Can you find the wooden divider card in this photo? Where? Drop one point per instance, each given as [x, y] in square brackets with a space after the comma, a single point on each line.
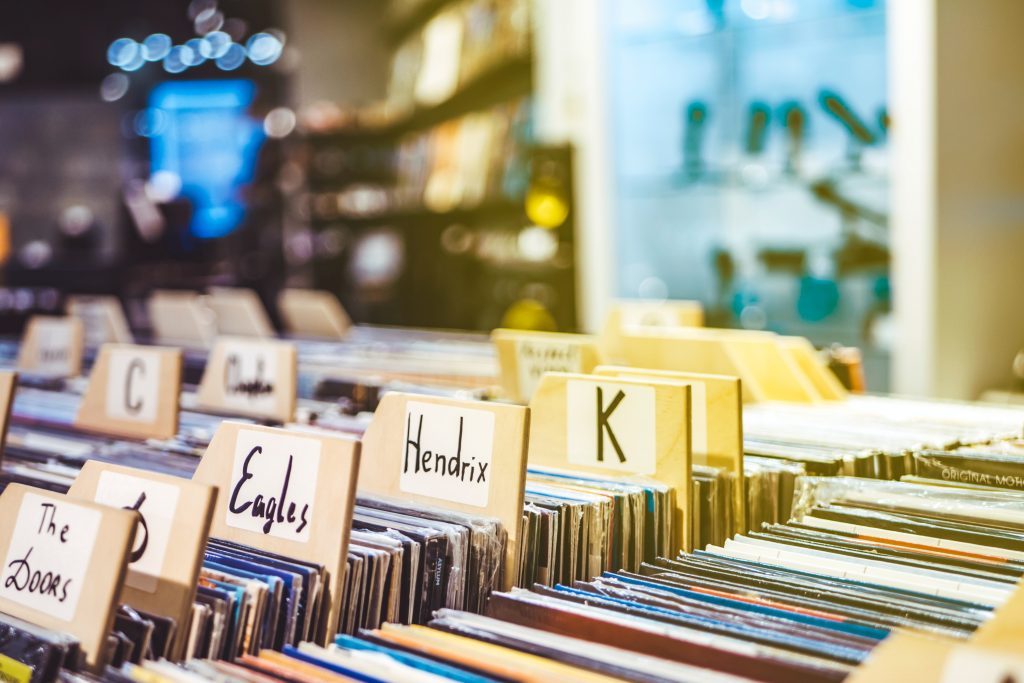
[630, 426]
[103, 319]
[313, 313]
[63, 563]
[52, 347]
[285, 492]
[525, 356]
[180, 317]
[758, 358]
[8, 380]
[634, 314]
[173, 512]
[255, 378]
[133, 391]
[651, 313]
[931, 658]
[802, 352]
[239, 312]
[468, 456]
[716, 430]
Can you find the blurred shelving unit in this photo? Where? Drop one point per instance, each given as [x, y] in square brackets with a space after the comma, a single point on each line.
[418, 203]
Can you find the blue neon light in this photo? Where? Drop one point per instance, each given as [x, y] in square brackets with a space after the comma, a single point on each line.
[210, 142]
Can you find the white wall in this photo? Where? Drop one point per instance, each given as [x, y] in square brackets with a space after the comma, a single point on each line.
[958, 202]
[571, 95]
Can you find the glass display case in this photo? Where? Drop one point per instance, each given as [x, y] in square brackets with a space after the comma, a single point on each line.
[749, 161]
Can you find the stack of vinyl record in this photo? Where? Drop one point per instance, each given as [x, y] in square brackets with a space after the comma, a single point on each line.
[871, 436]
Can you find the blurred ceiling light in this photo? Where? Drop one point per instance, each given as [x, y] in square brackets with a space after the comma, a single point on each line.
[378, 258]
[232, 58]
[236, 28]
[208, 20]
[536, 244]
[163, 186]
[35, 254]
[196, 46]
[178, 59]
[756, 9]
[150, 122]
[135, 63]
[279, 122]
[11, 61]
[264, 49]
[197, 7]
[23, 298]
[122, 51]
[114, 87]
[155, 47]
[217, 44]
[76, 220]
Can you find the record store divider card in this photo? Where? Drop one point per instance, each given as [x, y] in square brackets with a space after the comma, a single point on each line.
[103, 319]
[254, 378]
[289, 493]
[716, 430]
[802, 352]
[133, 392]
[606, 425]
[910, 656]
[633, 314]
[524, 357]
[239, 312]
[175, 517]
[63, 563]
[768, 372]
[8, 381]
[313, 313]
[468, 456]
[52, 347]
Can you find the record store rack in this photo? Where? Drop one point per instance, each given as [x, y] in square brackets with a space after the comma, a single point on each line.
[337, 502]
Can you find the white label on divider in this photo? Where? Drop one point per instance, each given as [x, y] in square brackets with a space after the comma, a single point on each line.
[699, 421]
[447, 453]
[156, 503]
[612, 426]
[49, 555]
[534, 358]
[133, 385]
[273, 484]
[250, 375]
[53, 347]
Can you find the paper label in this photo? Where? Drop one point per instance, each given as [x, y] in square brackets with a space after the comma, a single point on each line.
[156, 503]
[967, 663]
[250, 376]
[49, 555]
[611, 426]
[133, 385]
[53, 347]
[273, 484]
[534, 358]
[13, 671]
[447, 453]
